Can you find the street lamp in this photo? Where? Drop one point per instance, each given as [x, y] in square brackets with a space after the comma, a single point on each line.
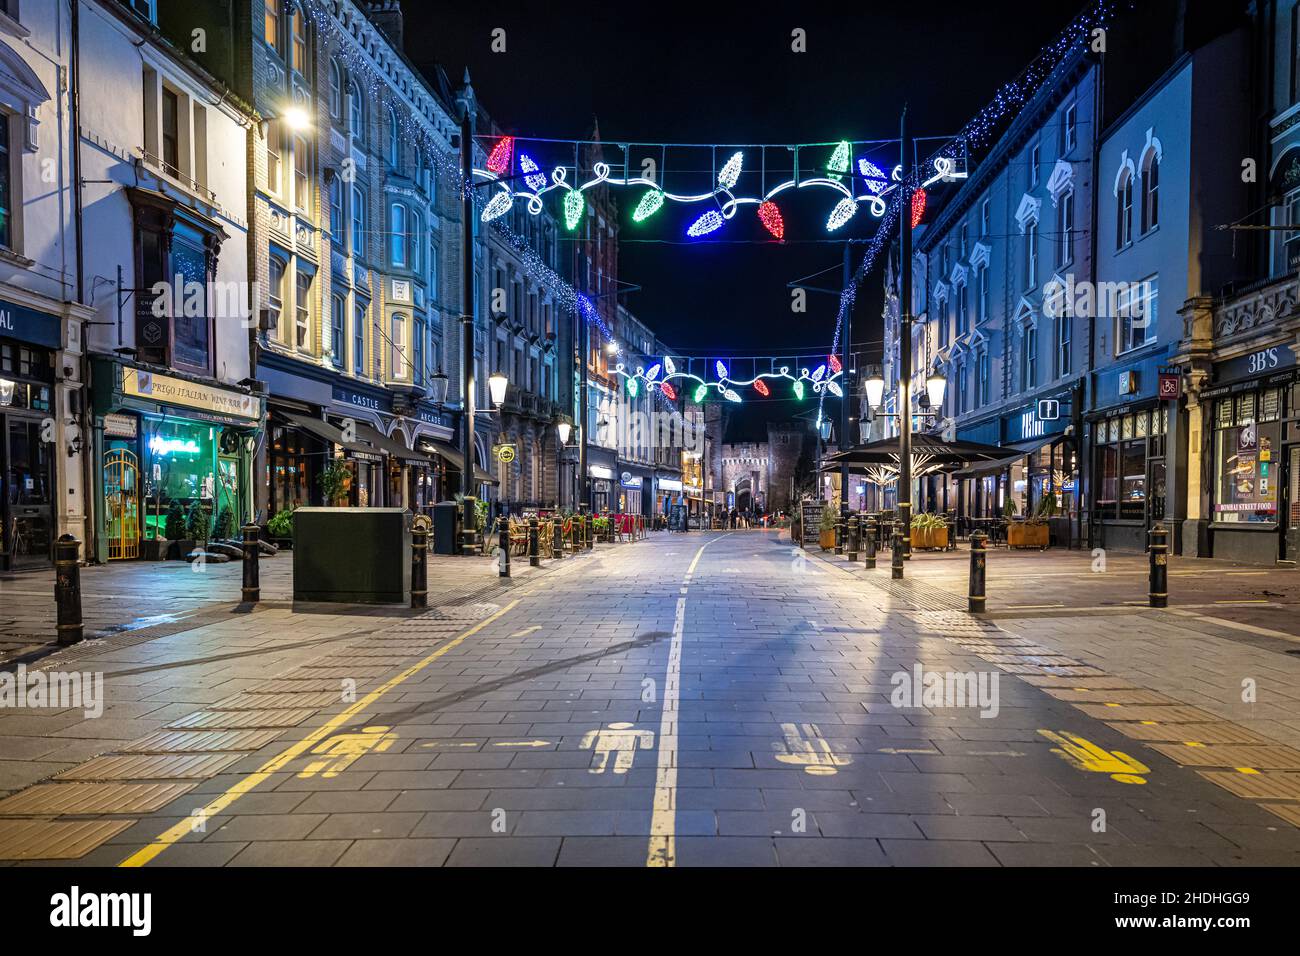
[297, 118]
[875, 387]
[497, 384]
[438, 383]
[824, 429]
[935, 384]
[563, 429]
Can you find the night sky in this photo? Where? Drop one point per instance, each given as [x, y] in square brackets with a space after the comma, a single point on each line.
[714, 76]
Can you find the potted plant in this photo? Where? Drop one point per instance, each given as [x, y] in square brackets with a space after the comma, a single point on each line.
[1033, 531]
[280, 529]
[826, 529]
[929, 532]
[335, 482]
[179, 543]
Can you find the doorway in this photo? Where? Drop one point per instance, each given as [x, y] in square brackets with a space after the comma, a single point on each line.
[28, 482]
[122, 504]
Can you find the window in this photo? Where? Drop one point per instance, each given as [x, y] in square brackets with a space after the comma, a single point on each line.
[985, 218]
[1128, 449]
[338, 335]
[1136, 312]
[6, 187]
[299, 60]
[397, 225]
[359, 338]
[274, 155]
[965, 236]
[302, 324]
[1029, 359]
[336, 211]
[171, 132]
[398, 335]
[1291, 238]
[1151, 194]
[356, 112]
[982, 277]
[1070, 130]
[301, 175]
[433, 271]
[1124, 211]
[420, 333]
[275, 301]
[1065, 228]
[417, 242]
[1064, 330]
[963, 382]
[271, 29]
[336, 89]
[358, 222]
[963, 311]
[983, 378]
[1034, 156]
[394, 140]
[1248, 438]
[1031, 254]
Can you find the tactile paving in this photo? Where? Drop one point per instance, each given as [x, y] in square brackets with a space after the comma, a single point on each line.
[1219, 733]
[1256, 786]
[190, 741]
[1167, 715]
[54, 799]
[1272, 757]
[151, 767]
[255, 700]
[241, 719]
[1084, 695]
[55, 839]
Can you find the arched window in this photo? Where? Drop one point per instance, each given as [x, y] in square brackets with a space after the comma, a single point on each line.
[1124, 210]
[397, 227]
[356, 112]
[271, 30]
[1151, 192]
[299, 41]
[416, 241]
[394, 141]
[336, 89]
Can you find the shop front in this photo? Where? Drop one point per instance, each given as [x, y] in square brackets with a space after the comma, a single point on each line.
[634, 490]
[669, 492]
[1251, 452]
[1130, 470]
[27, 459]
[169, 444]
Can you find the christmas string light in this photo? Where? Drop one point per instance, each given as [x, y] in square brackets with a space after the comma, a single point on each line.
[668, 390]
[819, 380]
[839, 161]
[498, 206]
[649, 205]
[730, 173]
[841, 214]
[769, 214]
[711, 221]
[533, 177]
[499, 159]
[760, 386]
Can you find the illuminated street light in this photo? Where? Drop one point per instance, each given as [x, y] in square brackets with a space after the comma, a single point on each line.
[875, 386]
[497, 383]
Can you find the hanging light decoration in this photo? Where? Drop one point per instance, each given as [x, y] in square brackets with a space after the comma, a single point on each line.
[839, 161]
[632, 386]
[834, 388]
[731, 396]
[648, 206]
[533, 178]
[700, 392]
[721, 368]
[836, 366]
[498, 206]
[873, 175]
[820, 371]
[798, 390]
[668, 390]
[574, 205]
[760, 386]
[769, 214]
[711, 221]
[730, 173]
[841, 214]
[652, 373]
[669, 367]
[499, 159]
[918, 207]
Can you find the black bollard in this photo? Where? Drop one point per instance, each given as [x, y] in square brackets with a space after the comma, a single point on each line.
[870, 543]
[851, 546]
[573, 533]
[67, 589]
[419, 562]
[534, 549]
[952, 533]
[1158, 587]
[975, 592]
[896, 552]
[839, 532]
[588, 531]
[503, 545]
[252, 590]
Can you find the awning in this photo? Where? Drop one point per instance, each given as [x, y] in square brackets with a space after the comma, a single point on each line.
[326, 432]
[1016, 450]
[387, 445]
[453, 457]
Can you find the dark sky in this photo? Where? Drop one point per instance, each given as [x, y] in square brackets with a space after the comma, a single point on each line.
[718, 73]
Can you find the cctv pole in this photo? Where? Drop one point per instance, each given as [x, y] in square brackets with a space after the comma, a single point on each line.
[470, 518]
[905, 332]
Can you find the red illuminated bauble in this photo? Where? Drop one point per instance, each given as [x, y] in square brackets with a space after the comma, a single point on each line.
[668, 390]
[835, 363]
[918, 207]
[770, 216]
[499, 159]
[760, 386]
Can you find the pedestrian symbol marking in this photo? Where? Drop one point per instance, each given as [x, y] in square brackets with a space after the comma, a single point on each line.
[805, 747]
[342, 750]
[1085, 755]
[620, 739]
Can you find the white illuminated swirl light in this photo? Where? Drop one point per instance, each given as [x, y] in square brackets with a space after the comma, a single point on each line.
[726, 202]
[726, 386]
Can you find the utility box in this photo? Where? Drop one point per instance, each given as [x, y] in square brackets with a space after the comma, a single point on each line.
[446, 528]
[352, 555]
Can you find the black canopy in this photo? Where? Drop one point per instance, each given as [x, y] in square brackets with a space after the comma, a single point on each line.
[941, 452]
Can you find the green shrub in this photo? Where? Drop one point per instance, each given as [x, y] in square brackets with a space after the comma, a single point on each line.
[174, 529]
[225, 528]
[198, 523]
[281, 524]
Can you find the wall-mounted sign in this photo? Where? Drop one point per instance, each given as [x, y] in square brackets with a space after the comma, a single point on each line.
[28, 325]
[1049, 409]
[1259, 362]
[1128, 383]
[348, 396]
[669, 484]
[1169, 384]
[600, 471]
[120, 426]
[504, 453]
[176, 391]
[629, 480]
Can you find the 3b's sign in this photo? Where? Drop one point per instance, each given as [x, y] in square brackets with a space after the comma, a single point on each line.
[1169, 384]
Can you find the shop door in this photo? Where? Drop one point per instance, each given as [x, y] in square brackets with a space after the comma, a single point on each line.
[228, 492]
[122, 500]
[28, 496]
[1291, 505]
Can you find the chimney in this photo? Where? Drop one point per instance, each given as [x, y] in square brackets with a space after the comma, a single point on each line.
[387, 16]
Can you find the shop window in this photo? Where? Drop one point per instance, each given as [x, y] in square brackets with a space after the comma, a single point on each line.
[1247, 458]
[302, 313]
[338, 312]
[179, 467]
[359, 339]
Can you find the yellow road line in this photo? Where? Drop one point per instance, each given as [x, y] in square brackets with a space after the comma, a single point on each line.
[662, 850]
[178, 832]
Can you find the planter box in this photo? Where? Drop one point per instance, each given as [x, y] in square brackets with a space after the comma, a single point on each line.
[352, 555]
[179, 549]
[1020, 534]
[929, 539]
[154, 549]
[827, 540]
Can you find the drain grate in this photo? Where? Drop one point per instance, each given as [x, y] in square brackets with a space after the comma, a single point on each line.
[55, 799]
[55, 839]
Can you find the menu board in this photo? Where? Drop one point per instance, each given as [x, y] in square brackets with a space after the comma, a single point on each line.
[811, 521]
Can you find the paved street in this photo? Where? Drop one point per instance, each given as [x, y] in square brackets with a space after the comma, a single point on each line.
[690, 700]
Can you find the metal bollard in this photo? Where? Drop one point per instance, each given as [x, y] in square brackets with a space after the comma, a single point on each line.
[503, 545]
[839, 533]
[871, 543]
[896, 552]
[534, 549]
[573, 533]
[851, 546]
[978, 557]
[557, 539]
[419, 561]
[588, 531]
[952, 534]
[67, 589]
[1158, 587]
[252, 590]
